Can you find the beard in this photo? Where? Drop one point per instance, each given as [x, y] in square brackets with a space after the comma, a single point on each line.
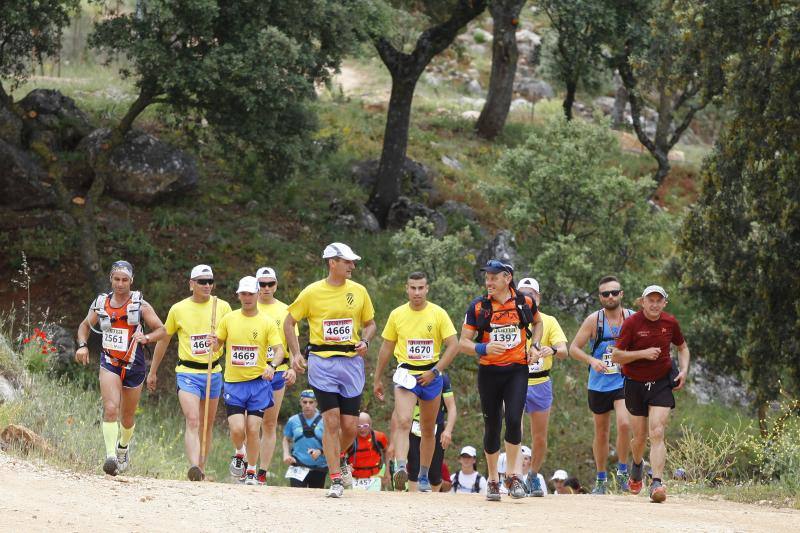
[611, 306]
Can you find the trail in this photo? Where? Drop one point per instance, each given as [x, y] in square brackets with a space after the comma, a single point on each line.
[37, 498]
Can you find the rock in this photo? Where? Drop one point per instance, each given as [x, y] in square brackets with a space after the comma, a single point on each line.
[471, 115]
[431, 79]
[676, 155]
[503, 247]
[142, 169]
[53, 119]
[534, 90]
[23, 439]
[474, 87]
[10, 127]
[520, 103]
[451, 208]
[22, 180]
[63, 341]
[405, 210]
[471, 102]
[604, 104]
[417, 178]
[477, 49]
[452, 163]
[527, 36]
[353, 216]
[708, 387]
[8, 392]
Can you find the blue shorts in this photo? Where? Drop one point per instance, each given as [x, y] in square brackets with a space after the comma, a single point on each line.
[340, 375]
[427, 392]
[196, 384]
[253, 395]
[540, 397]
[131, 377]
[278, 380]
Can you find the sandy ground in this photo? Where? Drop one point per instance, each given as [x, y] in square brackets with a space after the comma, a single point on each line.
[36, 498]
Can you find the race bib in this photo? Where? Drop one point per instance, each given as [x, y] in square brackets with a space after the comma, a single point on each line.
[200, 344]
[116, 339]
[508, 335]
[297, 472]
[369, 484]
[244, 355]
[338, 330]
[536, 366]
[611, 366]
[419, 349]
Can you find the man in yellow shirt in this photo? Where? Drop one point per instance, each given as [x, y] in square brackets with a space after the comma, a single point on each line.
[341, 323]
[191, 320]
[248, 335]
[540, 388]
[275, 310]
[415, 333]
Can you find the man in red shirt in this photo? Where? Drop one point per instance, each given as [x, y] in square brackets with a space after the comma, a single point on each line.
[367, 455]
[643, 350]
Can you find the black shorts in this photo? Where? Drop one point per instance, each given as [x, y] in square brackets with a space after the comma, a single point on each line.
[640, 395]
[435, 471]
[332, 400]
[603, 402]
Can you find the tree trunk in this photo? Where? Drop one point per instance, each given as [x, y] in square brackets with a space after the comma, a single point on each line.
[569, 98]
[620, 101]
[505, 15]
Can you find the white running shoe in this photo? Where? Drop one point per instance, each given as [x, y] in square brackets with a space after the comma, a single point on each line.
[238, 465]
[336, 490]
[123, 457]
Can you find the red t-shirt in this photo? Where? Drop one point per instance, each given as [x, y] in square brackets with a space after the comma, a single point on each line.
[640, 333]
[366, 459]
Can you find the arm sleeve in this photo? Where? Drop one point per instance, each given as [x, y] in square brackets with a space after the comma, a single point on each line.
[299, 307]
[677, 335]
[288, 429]
[170, 325]
[390, 330]
[625, 338]
[556, 334]
[222, 329]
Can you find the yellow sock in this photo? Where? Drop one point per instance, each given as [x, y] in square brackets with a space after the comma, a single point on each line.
[125, 435]
[110, 432]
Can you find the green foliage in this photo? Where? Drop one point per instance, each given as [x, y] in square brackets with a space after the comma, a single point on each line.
[576, 215]
[709, 456]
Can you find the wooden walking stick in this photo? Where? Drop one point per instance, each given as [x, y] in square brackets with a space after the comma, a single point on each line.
[208, 384]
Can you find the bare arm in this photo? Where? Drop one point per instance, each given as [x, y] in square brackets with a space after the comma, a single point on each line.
[293, 343]
[683, 362]
[450, 352]
[82, 354]
[367, 332]
[153, 322]
[561, 350]
[452, 415]
[158, 356]
[386, 351]
[586, 333]
[287, 454]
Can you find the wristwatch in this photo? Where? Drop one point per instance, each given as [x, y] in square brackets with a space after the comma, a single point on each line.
[537, 345]
[83, 344]
[436, 372]
[365, 341]
[270, 364]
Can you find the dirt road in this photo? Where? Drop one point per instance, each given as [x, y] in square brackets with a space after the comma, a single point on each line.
[34, 498]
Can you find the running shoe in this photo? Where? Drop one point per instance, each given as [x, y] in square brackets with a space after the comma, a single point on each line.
[657, 492]
[535, 485]
[196, 474]
[400, 478]
[622, 481]
[238, 465]
[423, 484]
[262, 477]
[600, 487]
[493, 491]
[250, 478]
[635, 480]
[123, 458]
[347, 476]
[336, 490]
[110, 466]
[634, 486]
[516, 488]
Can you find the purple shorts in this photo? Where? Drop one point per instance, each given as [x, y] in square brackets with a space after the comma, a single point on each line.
[341, 375]
[540, 397]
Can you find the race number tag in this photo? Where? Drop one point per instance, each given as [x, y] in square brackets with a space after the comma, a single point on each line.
[369, 484]
[297, 472]
[611, 366]
[200, 344]
[536, 366]
[338, 330]
[116, 339]
[244, 355]
[508, 335]
[419, 349]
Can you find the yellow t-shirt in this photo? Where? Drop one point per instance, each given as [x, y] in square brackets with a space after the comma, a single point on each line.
[552, 334]
[247, 339]
[192, 322]
[335, 314]
[418, 334]
[277, 313]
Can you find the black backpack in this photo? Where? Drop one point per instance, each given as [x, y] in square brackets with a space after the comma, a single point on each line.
[309, 429]
[525, 312]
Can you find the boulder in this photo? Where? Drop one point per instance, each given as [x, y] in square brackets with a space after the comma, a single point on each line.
[405, 210]
[471, 115]
[452, 162]
[53, 119]
[8, 392]
[352, 216]
[22, 180]
[10, 127]
[417, 178]
[142, 169]
[503, 247]
[520, 104]
[533, 90]
[23, 439]
[63, 341]
[474, 87]
[527, 36]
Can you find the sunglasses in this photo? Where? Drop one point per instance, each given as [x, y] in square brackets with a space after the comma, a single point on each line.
[363, 426]
[267, 283]
[204, 281]
[606, 294]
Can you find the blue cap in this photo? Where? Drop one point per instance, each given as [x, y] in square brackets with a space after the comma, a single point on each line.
[493, 266]
[308, 393]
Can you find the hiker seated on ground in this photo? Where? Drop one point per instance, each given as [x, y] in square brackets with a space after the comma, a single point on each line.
[559, 482]
[367, 455]
[467, 480]
[574, 485]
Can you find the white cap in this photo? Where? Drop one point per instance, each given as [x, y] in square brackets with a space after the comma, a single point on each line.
[526, 452]
[338, 249]
[201, 270]
[655, 288]
[469, 450]
[560, 474]
[528, 283]
[248, 284]
[266, 272]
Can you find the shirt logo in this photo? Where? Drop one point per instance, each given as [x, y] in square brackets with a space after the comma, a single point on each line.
[663, 330]
[255, 334]
[430, 327]
[643, 333]
[350, 299]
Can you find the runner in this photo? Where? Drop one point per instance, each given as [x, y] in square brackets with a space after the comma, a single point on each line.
[414, 333]
[341, 323]
[643, 349]
[191, 320]
[121, 314]
[606, 382]
[367, 455]
[275, 310]
[303, 433]
[540, 388]
[501, 322]
[247, 335]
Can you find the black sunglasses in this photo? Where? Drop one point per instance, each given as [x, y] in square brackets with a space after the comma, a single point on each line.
[204, 281]
[267, 283]
[606, 294]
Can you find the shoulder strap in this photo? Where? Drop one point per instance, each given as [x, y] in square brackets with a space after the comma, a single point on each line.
[100, 302]
[476, 488]
[456, 484]
[598, 338]
[136, 297]
[525, 311]
[310, 427]
[484, 318]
